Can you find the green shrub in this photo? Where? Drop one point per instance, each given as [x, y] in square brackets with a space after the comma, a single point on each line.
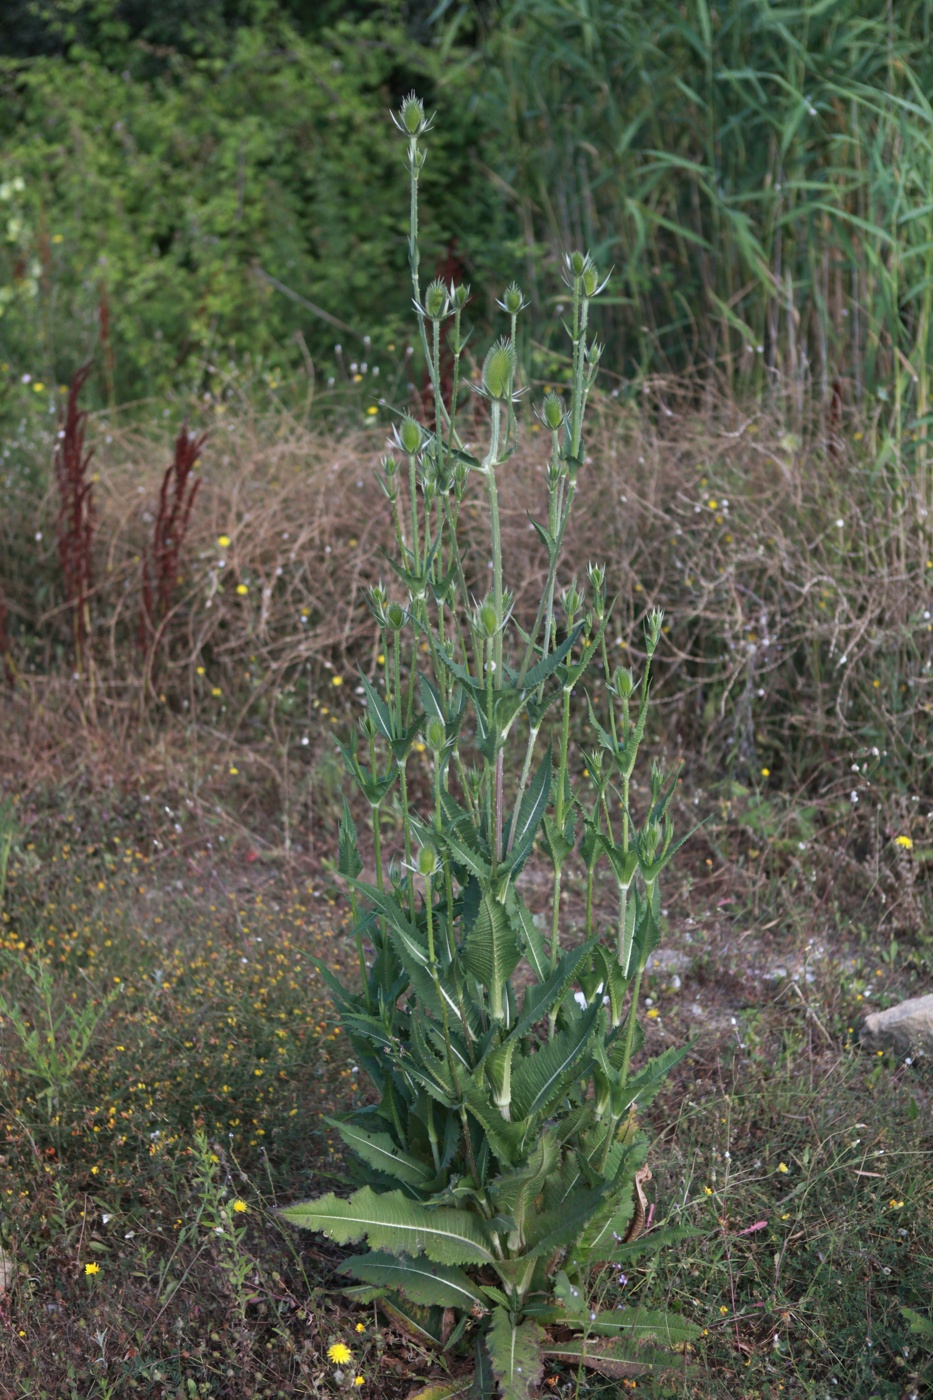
[502, 1158]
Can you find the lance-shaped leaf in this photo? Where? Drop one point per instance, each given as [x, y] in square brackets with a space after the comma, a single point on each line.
[506, 1140]
[532, 809]
[498, 1067]
[514, 1193]
[445, 1390]
[492, 950]
[421, 1280]
[462, 842]
[379, 1151]
[651, 869]
[405, 935]
[527, 930]
[515, 1352]
[540, 1079]
[536, 674]
[573, 670]
[349, 863]
[624, 863]
[378, 710]
[393, 1221]
[608, 1357]
[646, 1325]
[546, 538]
[557, 843]
[643, 1086]
[540, 1000]
[484, 1382]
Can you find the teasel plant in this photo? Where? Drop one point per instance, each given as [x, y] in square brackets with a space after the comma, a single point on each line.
[500, 1163]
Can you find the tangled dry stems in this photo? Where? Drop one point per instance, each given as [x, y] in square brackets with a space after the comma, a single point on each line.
[791, 636]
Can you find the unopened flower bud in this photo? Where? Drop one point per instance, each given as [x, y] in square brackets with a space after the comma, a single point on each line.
[590, 279]
[487, 620]
[436, 300]
[513, 301]
[409, 435]
[412, 115]
[396, 617]
[459, 296]
[427, 861]
[596, 573]
[577, 262]
[623, 683]
[498, 368]
[655, 620]
[435, 734]
[552, 411]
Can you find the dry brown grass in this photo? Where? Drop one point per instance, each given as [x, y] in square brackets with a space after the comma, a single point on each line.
[794, 644]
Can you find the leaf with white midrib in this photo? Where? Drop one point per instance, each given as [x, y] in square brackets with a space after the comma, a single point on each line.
[380, 1152]
[431, 1284]
[515, 1352]
[538, 1076]
[394, 1222]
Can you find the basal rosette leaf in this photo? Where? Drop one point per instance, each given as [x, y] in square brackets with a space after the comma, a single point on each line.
[382, 1153]
[420, 1280]
[515, 1352]
[394, 1222]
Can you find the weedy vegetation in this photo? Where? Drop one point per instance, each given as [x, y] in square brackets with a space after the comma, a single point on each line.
[500, 1162]
[444, 983]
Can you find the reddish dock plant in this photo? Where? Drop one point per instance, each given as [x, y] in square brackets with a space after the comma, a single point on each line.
[160, 568]
[75, 523]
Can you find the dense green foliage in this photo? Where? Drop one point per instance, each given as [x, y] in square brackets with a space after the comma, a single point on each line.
[759, 177]
[504, 1148]
[156, 198]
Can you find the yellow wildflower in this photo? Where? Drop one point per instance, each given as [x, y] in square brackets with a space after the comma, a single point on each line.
[783, 1167]
[224, 541]
[339, 1353]
[95, 1268]
[904, 841]
[242, 589]
[240, 1207]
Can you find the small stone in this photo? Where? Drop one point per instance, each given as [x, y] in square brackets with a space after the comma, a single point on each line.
[905, 1028]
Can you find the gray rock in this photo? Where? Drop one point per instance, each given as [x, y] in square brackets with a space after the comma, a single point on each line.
[906, 1028]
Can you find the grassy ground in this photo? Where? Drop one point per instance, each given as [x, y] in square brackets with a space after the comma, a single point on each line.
[802, 1165]
[169, 879]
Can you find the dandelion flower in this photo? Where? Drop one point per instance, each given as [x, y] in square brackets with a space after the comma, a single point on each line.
[242, 589]
[233, 772]
[240, 1207]
[339, 1353]
[373, 409]
[360, 1327]
[216, 690]
[783, 1167]
[904, 841]
[359, 1380]
[224, 541]
[92, 1269]
[336, 680]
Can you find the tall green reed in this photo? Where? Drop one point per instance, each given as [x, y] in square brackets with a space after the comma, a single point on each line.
[761, 175]
[500, 1161]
